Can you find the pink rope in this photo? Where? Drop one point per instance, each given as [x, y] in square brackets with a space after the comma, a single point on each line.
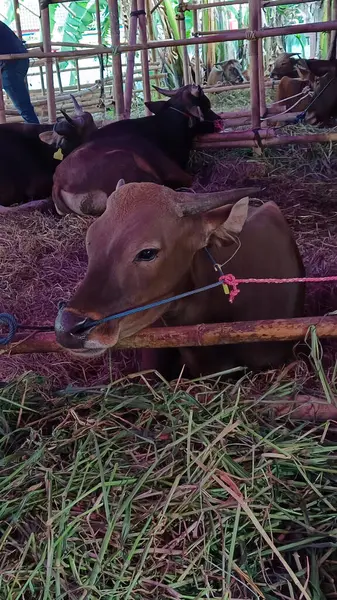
[233, 283]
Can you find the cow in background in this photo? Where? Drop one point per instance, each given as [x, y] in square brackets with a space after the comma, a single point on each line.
[284, 66]
[150, 244]
[229, 71]
[151, 149]
[28, 164]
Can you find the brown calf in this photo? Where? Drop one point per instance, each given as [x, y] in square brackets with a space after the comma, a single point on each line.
[150, 244]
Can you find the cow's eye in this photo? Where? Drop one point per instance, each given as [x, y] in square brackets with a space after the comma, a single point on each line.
[147, 255]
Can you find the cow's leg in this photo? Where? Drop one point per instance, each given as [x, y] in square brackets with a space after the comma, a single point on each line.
[41, 205]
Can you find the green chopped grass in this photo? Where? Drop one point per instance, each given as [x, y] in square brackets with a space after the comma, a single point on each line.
[183, 492]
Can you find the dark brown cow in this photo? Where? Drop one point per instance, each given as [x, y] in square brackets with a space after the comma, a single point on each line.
[287, 65]
[284, 66]
[28, 164]
[323, 105]
[147, 149]
[150, 244]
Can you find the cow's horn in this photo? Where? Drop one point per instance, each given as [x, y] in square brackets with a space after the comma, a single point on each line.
[191, 204]
[67, 118]
[77, 107]
[120, 183]
[165, 92]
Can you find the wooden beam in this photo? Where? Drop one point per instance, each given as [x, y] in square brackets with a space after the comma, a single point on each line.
[195, 335]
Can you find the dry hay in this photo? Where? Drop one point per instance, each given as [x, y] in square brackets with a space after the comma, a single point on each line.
[43, 257]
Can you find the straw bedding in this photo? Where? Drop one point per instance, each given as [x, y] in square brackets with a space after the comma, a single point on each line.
[43, 257]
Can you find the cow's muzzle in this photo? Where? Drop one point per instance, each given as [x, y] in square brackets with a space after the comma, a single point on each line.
[72, 329]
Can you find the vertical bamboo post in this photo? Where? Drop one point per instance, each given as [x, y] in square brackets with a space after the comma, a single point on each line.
[254, 7]
[182, 33]
[43, 88]
[2, 103]
[116, 59]
[17, 18]
[262, 90]
[144, 55]
[130, 65]
[328, 18]
[334, 18]
[45, 25]
[58, 73]
[98, 22]
[196, 50]
[151, 36]
[78, 74]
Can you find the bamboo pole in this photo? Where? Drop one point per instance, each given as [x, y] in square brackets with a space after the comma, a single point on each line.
[237, 135]
[328, 18]
[182, 33]
[196, 50]
[130, 66]
[17, 18]
[262, 85]
[254, 9]
[116, 59]
[187, 6]
[77, 74]
[58, 73]
[2, 103]
[220, 36]
[282, 140]
[45, 25]
[98, 22]
[334, 18]
[144, 54]
[195, 335]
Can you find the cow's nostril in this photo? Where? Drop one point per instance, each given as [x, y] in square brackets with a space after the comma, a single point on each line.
[71, 328]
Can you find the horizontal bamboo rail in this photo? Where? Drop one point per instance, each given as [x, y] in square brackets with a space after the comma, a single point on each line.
[186, 6]
[221, 141]
[195, 335]
[223, 36]
[213, 89]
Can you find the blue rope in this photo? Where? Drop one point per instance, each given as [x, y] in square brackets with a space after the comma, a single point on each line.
[10, 322]
[133, 311]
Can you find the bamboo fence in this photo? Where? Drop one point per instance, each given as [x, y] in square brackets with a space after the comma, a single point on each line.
[122, 99]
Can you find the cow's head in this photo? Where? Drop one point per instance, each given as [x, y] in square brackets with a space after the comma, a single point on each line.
[304, 72]
[70, 132]
[189, 100]
[284, 66]
[324, 102]
[141, 250]
[233, 72]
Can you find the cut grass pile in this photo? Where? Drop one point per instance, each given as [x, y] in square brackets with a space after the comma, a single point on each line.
[180, 492]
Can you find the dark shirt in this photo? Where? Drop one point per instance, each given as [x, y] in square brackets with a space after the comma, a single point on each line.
[9, 42]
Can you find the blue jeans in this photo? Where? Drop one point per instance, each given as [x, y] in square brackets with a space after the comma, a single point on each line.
[13, 81]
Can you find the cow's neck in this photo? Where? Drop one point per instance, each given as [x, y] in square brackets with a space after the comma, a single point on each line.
[195, 309]
[175, 136]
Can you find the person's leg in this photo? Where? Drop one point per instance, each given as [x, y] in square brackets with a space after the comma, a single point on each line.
[13, 81]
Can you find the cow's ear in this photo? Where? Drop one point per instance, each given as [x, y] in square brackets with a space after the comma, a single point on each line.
[47, 137]
[156, 107]
[227, 222]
